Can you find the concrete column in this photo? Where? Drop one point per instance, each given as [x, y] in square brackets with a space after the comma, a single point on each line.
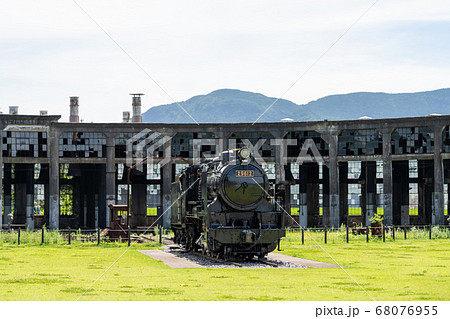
[23, 212]
[46, 203]
[103, 217]
[280, 158]
[312, 190]
[343, 192]
[96, 221]
[404, 194]
[20, 199]
[387, 178]
[437, 217]
[166, 176]
[110, 176]
[138, 205]
[302, 196]
[426, 185]
[371, 190]
[53, 155]
[7, 196]
[85, 216]
[280, 173]
[287, 201]
[29, 196]
[326, 196]
[7, 193]
[334, 181]
[401, 193]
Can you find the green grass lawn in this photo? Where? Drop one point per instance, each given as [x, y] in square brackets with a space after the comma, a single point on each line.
[413, 269]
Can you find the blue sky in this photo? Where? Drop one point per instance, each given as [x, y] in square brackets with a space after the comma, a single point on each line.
[50, 50]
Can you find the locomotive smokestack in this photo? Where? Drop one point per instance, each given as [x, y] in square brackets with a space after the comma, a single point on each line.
[126, 117]
[13, 110]
[43, 113]
[74, 118]
[137, 115]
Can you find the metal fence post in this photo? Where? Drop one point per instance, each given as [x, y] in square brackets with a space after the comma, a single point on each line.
[70, 241]
[346, 229]
[160, 234]
[325, 239]
[129, 235]
[43, 236]
[367, 234]
[303, 236]
[98, 236]
[430, 231]
[393, 232]
[18, 237]
[404, 230]
[384, 236]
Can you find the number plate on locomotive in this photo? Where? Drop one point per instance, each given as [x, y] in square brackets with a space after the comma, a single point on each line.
[245, 173]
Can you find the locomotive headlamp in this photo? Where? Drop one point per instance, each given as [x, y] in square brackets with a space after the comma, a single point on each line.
[244, 153]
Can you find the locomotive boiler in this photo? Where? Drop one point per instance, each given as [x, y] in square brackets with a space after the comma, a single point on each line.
[223, 208]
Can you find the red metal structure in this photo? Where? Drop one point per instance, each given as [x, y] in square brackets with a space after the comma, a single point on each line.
[118, 223]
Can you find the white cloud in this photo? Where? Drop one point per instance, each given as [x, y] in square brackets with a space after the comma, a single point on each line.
[50, 50]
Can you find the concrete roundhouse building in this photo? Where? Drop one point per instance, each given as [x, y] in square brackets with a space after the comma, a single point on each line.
[66, 174]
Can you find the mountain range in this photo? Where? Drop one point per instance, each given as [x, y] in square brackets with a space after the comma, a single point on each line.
[236, 106]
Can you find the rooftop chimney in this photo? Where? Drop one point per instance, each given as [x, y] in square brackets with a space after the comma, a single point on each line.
[137, 116]
[13, 110]
[74, 118]
[126, 117]
[43, 113]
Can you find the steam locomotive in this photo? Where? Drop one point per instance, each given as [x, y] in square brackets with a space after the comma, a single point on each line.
[223, 208]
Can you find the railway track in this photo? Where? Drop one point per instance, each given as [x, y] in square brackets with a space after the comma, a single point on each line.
[216, 259]
[233, 262]
[267, 263]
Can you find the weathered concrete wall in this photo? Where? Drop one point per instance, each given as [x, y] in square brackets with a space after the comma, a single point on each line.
[335, 191]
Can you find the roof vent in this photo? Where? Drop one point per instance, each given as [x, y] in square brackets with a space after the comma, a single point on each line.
[125, 117]
[13, 110]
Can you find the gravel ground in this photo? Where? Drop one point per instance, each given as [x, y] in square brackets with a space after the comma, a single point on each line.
[209, 263]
